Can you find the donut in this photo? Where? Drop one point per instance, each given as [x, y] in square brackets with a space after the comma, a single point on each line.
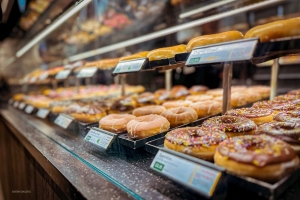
[237, 99]
[179, 92]
[162, 95]
[286, 131]
[231, 125]
[275, 106]
[146, 126]
[264, 91]
[258, 156]
[179, 116]
[215, 92]
[147, 110]
[207, 108]
[294, 92]
[289, 116]
[89, 114]
[238, 88]
[259, 116]
[252, 96]
[124, 105]
[146, 99]
[200, 97]
[115, 123]
[177, 103]
[198, 89]
[199, 142]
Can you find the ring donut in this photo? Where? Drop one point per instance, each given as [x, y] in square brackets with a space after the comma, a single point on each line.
[290, 116]
[115, 123]
[148, 110]
[179, 116]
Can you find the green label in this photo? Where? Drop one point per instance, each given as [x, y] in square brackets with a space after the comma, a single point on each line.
[159, 166]
[88, 138]
[194, 60]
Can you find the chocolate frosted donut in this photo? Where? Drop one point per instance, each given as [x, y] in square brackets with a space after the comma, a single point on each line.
[290, 116]
[259, 116]
[145, 99]
[258, 156]
[231, 125]
[286, 131]
[200, 142]
[275, 105]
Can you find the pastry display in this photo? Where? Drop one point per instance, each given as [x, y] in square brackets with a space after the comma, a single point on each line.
[199, 142]
[167, 52]
[213, 39]
[275, 30]
[259, 116]
[231, 125]
[116, 123]
[286, 131]
[180, 116]
[148, 110]
[257, 156]
[146, 126]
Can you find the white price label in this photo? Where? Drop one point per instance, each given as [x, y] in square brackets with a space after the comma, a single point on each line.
[231, 51]
[16, 104]
[10, 101]
[87, 72]
[198, 177]
[22, 105]
[29, 109]
[63, 121]
[42, 113]
[129, 66]
[99, 138]
[43, 76]
[63, 74]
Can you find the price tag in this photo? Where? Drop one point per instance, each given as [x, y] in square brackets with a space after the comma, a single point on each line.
[87, 72]
[63, 121]
[33, 80]
[63, 74]
[42, 113]
[230, 51]
[129, 66]
[198, 177]
[99, 138]
[43, 76]
[29, 109]
[16, 104]
[10, 101]
[22, 105]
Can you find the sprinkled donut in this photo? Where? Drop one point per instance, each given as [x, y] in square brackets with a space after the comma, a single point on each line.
[290, 116]
[259, 115]
[231, 125]
[199, 142]
[146, 126]
[115, 123]
[257, 156]
[179, 116]
[275, 106]
[286, 131]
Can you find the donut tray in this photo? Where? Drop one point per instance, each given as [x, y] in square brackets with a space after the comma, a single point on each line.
[257, 187]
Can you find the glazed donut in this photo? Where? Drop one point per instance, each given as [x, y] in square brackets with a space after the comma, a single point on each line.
[286, 131]
[162, 95]
[147, 110]
[200, 97]
[115, 123]
[198, 89]
[199, 142]
[237, 99]
[124, 105]
[177, 103]
[289, 116]
[167, 52]
[259, 116]
[215, 92]
[179, 92]
[207, 108]
[146, 126]
[258, 156]
[179, 116]
[231, 125]
[264, 91]
[88, 114]
[252, 96]
[238, 88]
[146, 99]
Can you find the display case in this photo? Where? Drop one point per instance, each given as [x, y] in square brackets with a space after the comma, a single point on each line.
[70, 62]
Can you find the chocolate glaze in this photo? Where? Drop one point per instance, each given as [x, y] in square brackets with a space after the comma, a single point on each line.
[259, 150]
[287, 131]
[250, 112]
[289, 116]
[192, 136]
[230, 123]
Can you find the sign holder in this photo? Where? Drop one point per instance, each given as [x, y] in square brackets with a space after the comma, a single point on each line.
[100, 138]
[63, 121]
